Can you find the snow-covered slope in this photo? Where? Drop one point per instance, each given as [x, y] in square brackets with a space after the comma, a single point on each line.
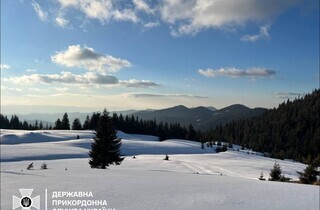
[193, 178]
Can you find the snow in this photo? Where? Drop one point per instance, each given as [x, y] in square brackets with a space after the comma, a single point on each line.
[193, 178]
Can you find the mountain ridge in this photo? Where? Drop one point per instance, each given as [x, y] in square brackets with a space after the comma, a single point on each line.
[200, 117]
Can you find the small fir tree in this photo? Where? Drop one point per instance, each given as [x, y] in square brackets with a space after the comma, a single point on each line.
[44, 166]
[309, 174]
[262, 177]
[105, 149]
[275, 172]
[167, 157]
[30, 166]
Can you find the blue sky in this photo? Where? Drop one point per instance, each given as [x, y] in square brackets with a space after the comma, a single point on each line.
[139, 54]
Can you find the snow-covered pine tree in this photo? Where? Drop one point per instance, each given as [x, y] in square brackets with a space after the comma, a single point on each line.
[105, 150]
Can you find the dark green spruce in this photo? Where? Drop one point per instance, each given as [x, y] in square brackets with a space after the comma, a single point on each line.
[105, 150]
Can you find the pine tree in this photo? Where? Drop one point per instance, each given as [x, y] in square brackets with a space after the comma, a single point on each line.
[309, 174]
[191, 133]
[275, 172]
[86, 124]
[94, 120]
[76, 125]
[105, 149]
[65, 125]
[41, 125]
[57, 125]
[14, 122]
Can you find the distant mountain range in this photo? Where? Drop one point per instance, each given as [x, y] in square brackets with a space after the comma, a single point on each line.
[202, 118]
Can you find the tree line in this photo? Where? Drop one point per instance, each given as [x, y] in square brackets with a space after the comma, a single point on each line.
[290, 131]
[127, 124]
[15, 123]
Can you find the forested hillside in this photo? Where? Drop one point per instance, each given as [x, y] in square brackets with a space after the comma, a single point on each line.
[290, 131]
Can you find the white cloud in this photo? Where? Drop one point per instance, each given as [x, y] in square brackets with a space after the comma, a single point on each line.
[61, 21]
[88, 59]
[31, 70]
[65, 78]
[61, 90]
[192, 16]
[149, 95]
[184, 17]
[234, 72]
[151, 24]
[4, 66]
[40, 12]
[94, 9]
[102, 10]
[88, 78]
[141, 5]
[138, 83]
[125, 15]
[288, 95]
[264, 34]
[10, 89]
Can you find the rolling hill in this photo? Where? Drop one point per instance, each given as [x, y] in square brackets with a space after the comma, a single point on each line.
[202, 118]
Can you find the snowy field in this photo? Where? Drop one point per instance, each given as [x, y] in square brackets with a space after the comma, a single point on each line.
[193, 178]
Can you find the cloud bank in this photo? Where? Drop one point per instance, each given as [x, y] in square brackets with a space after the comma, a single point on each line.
[184, 17]
[89, 78]
[219, 14]
[234, 72]
[288, 95]
[149, 95]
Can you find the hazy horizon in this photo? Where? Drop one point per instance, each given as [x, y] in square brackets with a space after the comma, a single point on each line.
[9, 110]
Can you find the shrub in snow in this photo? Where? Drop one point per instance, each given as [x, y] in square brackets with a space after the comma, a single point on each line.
[218, 149]
[166, 158]
[210, 144]
[261, 177]
[224, 148]
[44, 166]
[30, 166]
[284, 179]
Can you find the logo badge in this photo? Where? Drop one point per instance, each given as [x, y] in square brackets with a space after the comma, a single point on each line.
[26, 201]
